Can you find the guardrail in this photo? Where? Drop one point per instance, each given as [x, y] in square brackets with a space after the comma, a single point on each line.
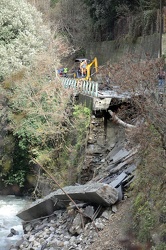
[81, 86]
[91, 88]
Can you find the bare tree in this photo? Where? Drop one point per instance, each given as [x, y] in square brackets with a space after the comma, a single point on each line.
[43, 6]
[73, 20]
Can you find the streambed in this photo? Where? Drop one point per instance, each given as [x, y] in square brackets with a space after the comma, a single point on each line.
[9, 207]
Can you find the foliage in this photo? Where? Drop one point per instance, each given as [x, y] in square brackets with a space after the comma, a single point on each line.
[16, 178]
[148, 189]
[81, 117]
[22, 35]
[148, 4]
[100, 20]
[78, 109]
[37, 111]
[45, 124]
[36, 116]
[161, 246]
[134, 18]
[104, 15]
[136, 74]
[7, 151]
[51, 131]
[53, 3]
[143, 23]
[73, 150]
[71, 19]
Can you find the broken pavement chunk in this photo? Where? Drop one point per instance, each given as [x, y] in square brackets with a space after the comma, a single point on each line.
[115, 183]
[120, 155]
[95, 193]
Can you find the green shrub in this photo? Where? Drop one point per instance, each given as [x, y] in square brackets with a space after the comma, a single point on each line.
[161, 246]
[22, 36]
[16, 178]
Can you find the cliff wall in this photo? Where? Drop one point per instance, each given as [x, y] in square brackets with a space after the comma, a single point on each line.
[113, 50]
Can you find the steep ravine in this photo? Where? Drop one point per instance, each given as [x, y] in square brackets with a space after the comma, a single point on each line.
[64, 229]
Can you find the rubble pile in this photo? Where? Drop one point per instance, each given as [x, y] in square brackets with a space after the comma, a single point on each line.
[65, 229]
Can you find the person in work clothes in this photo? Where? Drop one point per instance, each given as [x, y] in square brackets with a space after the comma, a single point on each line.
[161, 77]
[65, 70]
[83, 65]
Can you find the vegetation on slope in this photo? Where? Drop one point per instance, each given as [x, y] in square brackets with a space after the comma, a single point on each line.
[112, 18]
[149, 206]
[46, 127]
[22, 36]
[40, 118]
[149, 188]
[102, 20]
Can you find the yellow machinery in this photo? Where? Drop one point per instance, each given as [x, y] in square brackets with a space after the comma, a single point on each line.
[91, 69]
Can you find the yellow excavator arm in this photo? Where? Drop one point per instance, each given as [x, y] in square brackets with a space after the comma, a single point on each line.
[89, 68]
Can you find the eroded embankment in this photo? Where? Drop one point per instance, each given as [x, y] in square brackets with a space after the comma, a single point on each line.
[71, 229]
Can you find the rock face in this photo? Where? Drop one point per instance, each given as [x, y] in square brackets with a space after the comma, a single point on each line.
[95, 193]
[105, 138]
[95, 149]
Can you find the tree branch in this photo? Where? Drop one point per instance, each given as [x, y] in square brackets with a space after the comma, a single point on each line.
[119, 121]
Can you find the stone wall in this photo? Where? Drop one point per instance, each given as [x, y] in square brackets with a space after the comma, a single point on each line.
[164, 44]
[114, 50]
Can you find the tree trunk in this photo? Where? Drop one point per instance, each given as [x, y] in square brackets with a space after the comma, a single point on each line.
[119, 121]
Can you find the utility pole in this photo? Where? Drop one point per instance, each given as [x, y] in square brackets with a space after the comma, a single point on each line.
[161, 29]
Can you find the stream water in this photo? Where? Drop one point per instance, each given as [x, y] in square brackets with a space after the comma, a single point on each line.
[9, 207]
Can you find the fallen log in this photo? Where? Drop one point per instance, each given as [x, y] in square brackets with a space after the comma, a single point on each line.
[119, 121]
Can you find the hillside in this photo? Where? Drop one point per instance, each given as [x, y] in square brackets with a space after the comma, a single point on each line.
[42, 124]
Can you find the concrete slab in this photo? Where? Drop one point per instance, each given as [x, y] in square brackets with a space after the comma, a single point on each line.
[120, 192]
[112, 169]
[120, 155]
[94, 193]
[101, 103]
[113, 152]
[131, 169]
[115, 183]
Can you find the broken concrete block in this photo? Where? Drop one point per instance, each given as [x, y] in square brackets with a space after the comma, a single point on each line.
[89, 211]
[120, 155]
[114, 209]
[115, 183]
[120, 192]
[77, 225]
[99, 224]
[106, 214]
[94, 193]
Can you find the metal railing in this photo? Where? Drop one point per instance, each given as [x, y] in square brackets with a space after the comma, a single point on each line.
[90, 88]
[81, 86]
